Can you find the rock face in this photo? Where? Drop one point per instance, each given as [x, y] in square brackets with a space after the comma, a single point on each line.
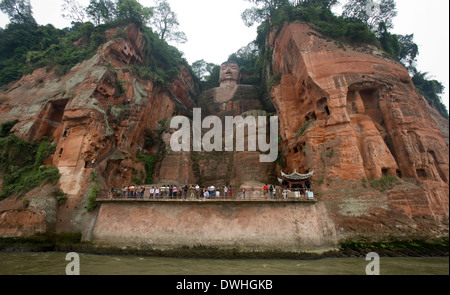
[97, 114]
[379, 152]
[220, 168]
[36, 212]
[366, 121]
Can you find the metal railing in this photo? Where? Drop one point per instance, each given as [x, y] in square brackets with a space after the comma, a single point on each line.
[251, 194]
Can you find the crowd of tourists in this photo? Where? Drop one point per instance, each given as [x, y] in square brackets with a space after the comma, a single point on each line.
[197, 192]
[172, 192]
[185, 192]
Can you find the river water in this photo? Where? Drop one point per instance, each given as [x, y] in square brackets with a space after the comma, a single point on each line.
[54, 263]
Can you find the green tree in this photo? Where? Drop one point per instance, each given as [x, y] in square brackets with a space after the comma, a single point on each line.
[73, 10]
[18, 11]
[430, 89]
[203, 69]
[400, 47]
[262, 11]
[326, 4]
[133, 11]
[246, 56]
[389, 42]
[166, 24]
[371, 12]
[101, 11]
[409, 52]
[212, 80]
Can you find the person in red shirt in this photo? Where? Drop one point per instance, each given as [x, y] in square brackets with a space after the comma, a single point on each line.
[265, 189]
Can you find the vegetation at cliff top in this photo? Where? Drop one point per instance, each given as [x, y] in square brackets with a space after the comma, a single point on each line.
[431, 89]
[362, 23]
[26, 46]
[357, 26]
[21, 164]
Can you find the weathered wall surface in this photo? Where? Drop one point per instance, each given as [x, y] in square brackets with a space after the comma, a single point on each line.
[250, 226]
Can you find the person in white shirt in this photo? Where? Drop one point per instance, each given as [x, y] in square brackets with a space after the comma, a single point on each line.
[197, 189]
[152, 192]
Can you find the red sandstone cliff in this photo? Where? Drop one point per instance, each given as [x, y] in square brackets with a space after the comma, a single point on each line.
[369, 122]
[83, 113]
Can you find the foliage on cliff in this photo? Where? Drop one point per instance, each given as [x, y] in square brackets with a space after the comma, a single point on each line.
[26, 46]
[24, 49]
[161, 61]
[352, 27]
[149, 162]
[22, 166]
[431, 89]
[94, 191]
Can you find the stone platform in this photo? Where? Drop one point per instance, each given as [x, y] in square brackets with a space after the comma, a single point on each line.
[189, 200]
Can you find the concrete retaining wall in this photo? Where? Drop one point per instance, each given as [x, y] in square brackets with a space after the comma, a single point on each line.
[285, 226]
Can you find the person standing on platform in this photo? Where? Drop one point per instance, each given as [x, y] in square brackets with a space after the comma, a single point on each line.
[185, 191]
[197, 190]
[152, 192]
[265, 190]
[192, 192]
[174, 192]
[211, 191]
[271, 192]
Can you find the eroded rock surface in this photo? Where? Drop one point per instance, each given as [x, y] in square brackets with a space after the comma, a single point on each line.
[366, 121]
[350, 115]
[97, 114]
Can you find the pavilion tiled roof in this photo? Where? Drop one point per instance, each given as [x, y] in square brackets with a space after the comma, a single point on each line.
[297, 176]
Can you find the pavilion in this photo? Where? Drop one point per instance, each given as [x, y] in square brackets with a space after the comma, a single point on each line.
[296, 181]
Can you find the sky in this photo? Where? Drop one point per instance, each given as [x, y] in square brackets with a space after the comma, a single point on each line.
[215, 30]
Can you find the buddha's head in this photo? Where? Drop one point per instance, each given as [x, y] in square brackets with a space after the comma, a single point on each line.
[229, 73]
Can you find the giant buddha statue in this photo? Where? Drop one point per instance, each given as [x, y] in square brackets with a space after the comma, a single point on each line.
[231, 97]
[229, 74]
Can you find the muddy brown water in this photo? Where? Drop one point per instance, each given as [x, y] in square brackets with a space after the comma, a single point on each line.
[54, 263]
